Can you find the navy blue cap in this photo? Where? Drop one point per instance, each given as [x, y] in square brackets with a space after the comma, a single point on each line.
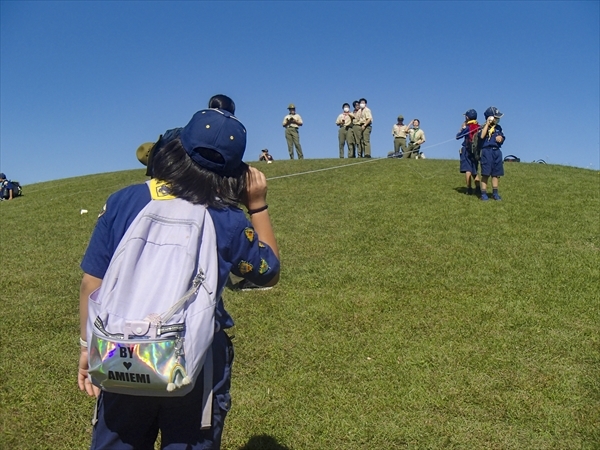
[492, 111]
[2, 176]
[217, 130]
[471, 114]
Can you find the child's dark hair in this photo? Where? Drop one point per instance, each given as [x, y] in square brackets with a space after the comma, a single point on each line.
[223, 102]
[192, 182]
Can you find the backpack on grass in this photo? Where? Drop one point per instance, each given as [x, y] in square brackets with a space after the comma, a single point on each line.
[152, 321]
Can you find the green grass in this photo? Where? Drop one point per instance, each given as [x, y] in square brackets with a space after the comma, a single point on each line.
[408, 314]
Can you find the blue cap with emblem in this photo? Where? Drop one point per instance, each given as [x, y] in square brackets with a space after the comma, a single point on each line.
[492, 111]
[220, 132]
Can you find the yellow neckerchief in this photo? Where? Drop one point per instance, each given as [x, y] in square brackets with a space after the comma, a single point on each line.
[160, 190]
[471, 121]
[491, 129]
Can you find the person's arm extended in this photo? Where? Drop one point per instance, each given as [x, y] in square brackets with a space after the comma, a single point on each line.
[89, 284]
[256, 198]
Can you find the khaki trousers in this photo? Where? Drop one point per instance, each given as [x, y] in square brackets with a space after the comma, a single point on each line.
[293, 139]
[345, 135]
[366, 136]
[400, 143]
[357, 132]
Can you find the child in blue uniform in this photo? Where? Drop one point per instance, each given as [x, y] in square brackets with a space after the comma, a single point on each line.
[6, 188]
[468, 163]
[492, 163]
[203, 165]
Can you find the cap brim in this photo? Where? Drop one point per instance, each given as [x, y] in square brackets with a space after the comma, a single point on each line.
[143, 151]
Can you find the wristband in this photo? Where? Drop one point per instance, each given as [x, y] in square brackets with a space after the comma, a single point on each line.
[257, 210]
[83, 343]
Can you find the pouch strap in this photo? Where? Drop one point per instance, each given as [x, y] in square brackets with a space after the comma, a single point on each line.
[207, 395]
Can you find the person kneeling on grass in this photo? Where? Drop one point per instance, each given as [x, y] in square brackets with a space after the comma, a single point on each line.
[265, 156]
[491, 155]
[417, 138]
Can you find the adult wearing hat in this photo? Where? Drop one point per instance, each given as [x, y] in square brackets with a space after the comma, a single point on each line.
[399, 131]
[291, 122]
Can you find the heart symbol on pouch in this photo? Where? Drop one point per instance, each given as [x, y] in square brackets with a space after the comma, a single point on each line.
[127, 365]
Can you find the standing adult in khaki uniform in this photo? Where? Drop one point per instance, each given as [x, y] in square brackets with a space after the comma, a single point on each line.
[366, 124]
[291, 122]
[357, 129]
[345, 135]
[417, 138]
[399, 131]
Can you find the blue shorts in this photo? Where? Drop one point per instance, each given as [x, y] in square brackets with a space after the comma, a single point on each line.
[491, 162]
[132, 422]
[467, 161]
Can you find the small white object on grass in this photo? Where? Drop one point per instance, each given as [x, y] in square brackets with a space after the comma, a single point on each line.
[83, 211]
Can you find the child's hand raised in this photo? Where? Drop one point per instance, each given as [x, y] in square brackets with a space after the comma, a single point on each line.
[256, 189]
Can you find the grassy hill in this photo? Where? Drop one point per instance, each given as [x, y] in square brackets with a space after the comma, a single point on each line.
[408, 315]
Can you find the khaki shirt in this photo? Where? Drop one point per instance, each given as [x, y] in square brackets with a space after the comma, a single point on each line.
[366, 115]
[357, 117]
[344, 119]
[296, 124]
[399, 130]
[419, 135]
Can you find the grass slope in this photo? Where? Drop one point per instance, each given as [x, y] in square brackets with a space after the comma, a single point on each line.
[408, 315]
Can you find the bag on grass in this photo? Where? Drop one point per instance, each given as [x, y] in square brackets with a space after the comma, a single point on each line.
[152, 321]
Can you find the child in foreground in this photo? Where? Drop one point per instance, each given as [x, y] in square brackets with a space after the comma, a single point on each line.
[202, 165]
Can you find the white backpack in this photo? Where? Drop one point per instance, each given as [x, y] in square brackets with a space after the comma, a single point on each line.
[152, 321]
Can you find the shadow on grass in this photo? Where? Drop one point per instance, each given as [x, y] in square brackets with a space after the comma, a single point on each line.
[461, 190]
[263, 442]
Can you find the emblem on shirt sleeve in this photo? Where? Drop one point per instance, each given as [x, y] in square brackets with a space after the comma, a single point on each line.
[102, 212]
[264, 267]
[249, 232]
[261, 245]
[245, 267]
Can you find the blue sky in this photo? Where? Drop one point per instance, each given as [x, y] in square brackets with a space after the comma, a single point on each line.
[84, 83]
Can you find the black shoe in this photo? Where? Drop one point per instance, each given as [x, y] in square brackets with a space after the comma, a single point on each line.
[367, 156]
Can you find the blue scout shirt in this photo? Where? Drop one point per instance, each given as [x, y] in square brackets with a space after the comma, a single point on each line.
[238, 249]
[467, 133]
[490, 141]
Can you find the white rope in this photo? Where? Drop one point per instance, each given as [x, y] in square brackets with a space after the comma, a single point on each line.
[328, 168]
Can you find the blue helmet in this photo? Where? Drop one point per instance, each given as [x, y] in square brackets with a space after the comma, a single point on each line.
[471, 114]
[492, 111]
